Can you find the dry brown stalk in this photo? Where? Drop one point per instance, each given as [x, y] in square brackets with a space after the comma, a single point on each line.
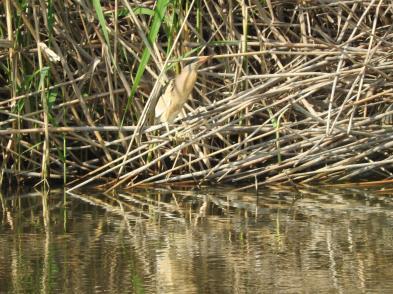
[295, 91]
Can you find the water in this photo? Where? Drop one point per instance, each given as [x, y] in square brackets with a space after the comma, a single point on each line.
[212, 241]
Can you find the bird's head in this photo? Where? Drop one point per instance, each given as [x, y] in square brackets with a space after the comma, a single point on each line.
[196, 64]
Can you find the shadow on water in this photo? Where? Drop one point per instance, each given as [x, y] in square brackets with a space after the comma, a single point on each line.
[211, 241]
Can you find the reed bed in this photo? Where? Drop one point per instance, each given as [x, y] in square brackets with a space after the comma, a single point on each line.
[296, 91]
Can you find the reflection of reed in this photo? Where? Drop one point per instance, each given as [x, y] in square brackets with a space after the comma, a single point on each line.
[198, 241]
[184, 206]
[46, 263]
[133, 206]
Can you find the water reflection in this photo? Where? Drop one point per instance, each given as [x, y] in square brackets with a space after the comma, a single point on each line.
[213, 241]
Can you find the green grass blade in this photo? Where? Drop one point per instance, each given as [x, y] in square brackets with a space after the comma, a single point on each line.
[101, 19]
[159, 13]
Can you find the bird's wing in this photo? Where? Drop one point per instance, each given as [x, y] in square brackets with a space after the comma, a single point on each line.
[164, 101]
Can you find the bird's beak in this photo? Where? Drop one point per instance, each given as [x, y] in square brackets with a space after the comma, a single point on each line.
[202, 59]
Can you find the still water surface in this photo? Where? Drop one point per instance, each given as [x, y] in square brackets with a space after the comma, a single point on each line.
[210, 241]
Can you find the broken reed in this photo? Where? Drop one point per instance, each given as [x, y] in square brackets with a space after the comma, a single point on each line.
[296, 91]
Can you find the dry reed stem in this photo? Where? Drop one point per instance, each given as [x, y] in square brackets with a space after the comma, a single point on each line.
[294, 91]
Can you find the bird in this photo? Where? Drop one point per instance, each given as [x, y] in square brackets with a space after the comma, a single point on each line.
[177, 93]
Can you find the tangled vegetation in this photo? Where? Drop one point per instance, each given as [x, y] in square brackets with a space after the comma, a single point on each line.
[297, 91]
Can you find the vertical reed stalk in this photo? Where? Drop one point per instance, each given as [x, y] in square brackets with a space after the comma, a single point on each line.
[44, 94]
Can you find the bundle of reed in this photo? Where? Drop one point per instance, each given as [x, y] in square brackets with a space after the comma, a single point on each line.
[297, 91]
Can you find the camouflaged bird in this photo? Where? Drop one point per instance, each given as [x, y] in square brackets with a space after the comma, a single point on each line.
[177, 93]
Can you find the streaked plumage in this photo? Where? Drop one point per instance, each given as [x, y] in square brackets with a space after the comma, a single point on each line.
[177, 93]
